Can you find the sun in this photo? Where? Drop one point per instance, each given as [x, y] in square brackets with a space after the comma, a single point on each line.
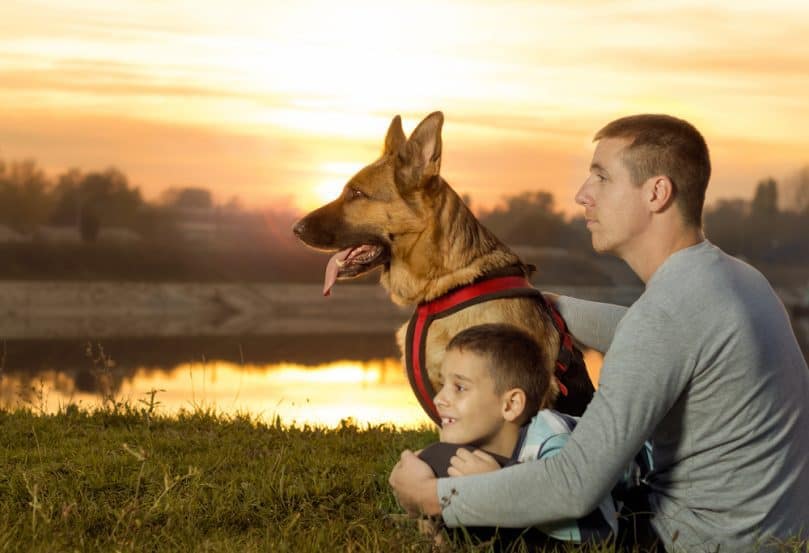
[334, 175]
[328, 190]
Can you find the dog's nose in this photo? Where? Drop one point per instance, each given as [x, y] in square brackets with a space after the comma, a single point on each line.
[299, 228]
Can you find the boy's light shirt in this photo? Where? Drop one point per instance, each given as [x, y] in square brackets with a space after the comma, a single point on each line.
[547, 432]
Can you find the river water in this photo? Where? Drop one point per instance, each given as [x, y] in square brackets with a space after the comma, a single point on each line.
[341, 368]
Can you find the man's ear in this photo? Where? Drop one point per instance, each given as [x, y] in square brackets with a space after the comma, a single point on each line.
[660, 193]
[513, 404]
[420, 159]
[395, 138]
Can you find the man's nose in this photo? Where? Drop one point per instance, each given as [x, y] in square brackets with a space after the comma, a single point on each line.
[582, 197]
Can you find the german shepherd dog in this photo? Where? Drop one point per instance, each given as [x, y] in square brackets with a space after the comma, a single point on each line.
[399, 214]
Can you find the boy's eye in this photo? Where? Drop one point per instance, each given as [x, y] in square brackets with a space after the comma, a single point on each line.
[460, 388]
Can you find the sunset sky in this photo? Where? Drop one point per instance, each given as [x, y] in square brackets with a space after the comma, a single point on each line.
[278, 103]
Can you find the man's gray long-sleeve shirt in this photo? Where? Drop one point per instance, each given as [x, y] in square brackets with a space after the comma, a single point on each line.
[706, 365]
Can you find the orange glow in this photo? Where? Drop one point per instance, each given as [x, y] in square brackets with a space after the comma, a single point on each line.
[250, 98]
[593, 360]
[373, 392]
[335, 176]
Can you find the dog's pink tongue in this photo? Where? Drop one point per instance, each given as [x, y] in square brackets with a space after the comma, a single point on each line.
[332, 269]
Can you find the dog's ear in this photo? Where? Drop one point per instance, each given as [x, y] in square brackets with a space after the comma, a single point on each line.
[420, 159]
[395, 138]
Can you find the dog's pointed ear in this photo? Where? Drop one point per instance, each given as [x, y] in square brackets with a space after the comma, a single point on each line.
[395, 138]
[426, 140]
[420, 159]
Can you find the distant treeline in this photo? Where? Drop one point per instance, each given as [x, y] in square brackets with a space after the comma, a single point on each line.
[756, 230]
[96, 225]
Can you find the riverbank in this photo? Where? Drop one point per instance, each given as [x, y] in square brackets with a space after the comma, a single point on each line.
[106, 309]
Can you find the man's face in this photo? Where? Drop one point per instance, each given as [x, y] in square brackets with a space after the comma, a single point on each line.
[613, 204]
[470, 408]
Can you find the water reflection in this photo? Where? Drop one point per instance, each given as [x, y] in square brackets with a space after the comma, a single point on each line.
[244, 374]
[371, 392]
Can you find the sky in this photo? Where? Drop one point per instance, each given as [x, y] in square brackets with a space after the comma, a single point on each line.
[279, 103]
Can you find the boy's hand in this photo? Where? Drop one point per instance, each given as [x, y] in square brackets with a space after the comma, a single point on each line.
[466, 462]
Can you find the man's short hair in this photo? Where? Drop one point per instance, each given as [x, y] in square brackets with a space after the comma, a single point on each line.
[515, 361]
[665, 145]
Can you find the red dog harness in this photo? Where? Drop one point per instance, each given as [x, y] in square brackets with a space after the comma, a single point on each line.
[460, 298]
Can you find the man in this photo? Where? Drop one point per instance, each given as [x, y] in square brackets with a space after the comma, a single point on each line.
[704, 364]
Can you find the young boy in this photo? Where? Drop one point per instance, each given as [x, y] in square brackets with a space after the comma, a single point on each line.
[494, 399]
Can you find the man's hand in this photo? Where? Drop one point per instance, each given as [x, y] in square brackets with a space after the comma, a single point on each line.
[415, 486]
[466, 462]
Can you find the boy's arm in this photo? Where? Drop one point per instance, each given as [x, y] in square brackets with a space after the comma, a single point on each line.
[591, 323]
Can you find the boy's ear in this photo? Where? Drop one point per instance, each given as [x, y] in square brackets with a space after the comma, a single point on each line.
[513, 404]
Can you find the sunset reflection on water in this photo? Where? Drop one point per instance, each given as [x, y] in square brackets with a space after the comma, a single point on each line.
[368, 392]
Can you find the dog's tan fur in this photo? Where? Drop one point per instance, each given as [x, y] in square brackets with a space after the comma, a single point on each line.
[435, 243]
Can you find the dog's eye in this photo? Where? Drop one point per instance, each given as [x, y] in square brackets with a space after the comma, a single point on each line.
[355, 193]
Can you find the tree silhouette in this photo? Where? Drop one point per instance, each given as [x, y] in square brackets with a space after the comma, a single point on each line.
[798, 195]
[93, 200]
[24, 196]
[726, 226]
[527, 218]
[763, 221]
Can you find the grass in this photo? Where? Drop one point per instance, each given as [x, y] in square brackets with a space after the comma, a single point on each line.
[124, 478]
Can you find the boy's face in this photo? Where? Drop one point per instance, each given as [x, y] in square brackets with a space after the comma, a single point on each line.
[470, 408]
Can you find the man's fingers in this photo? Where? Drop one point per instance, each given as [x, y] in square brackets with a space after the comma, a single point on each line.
[483, 455]
[463, 454]
[452, 471]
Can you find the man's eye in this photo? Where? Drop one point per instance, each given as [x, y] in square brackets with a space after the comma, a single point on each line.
[460, 388]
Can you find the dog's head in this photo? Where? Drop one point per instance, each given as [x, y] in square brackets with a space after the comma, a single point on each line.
[382, 207]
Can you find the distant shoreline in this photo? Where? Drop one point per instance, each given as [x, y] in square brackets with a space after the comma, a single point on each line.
[74, 309]
[65, 309]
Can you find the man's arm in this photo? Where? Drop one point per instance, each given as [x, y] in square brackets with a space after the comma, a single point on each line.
[643, 375]
[591, 323]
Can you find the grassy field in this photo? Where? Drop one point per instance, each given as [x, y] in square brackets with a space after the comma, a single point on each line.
[122, 479]
[125, 479]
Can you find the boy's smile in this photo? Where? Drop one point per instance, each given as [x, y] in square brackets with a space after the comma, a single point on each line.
[470, 408]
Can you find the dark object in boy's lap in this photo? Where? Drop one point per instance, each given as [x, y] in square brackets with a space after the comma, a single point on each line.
[438, 456]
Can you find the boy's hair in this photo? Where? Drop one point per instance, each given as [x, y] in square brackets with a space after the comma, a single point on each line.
[665, 145]
[516, 361]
